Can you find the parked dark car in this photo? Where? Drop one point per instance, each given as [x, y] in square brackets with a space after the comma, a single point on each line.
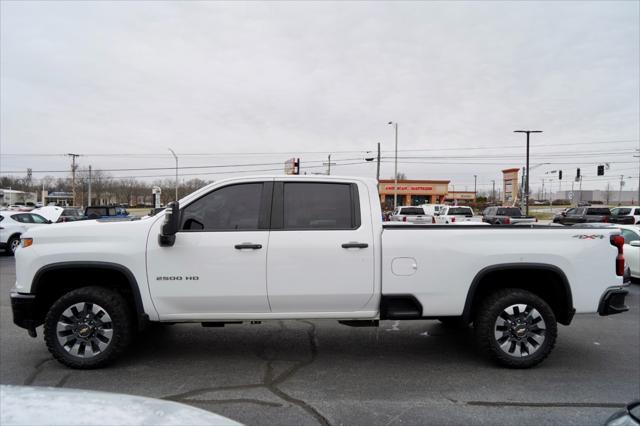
[583, 215]
[105, 212]
[505, 216]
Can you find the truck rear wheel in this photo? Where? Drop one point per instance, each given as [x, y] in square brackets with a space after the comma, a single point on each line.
[516, 328]
[88, 327]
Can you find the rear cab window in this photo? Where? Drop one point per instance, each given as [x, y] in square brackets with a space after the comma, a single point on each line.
[412, 211]
[509, 211]
[460, 211]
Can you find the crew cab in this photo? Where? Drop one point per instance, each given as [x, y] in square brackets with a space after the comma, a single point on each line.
[456, 214]
[583, 215]
[506, 216]
[298, 247]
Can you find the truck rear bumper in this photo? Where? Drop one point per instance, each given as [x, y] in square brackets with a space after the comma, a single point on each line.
[612, 302]
[25, 312]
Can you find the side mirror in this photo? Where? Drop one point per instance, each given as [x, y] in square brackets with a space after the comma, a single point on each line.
[635, 243]
[170, 226]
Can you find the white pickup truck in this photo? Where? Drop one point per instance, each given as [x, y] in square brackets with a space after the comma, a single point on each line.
[297, 247]
[457, 214]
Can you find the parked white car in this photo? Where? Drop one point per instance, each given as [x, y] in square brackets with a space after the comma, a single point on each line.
[15, 223]
[457, 214]
[631, 235]
[626, 212]
[43, 406]
[412, 214]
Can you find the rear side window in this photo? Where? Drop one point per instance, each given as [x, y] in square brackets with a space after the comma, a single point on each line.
[599, 212]
[412, 211]
[22, 218]
[96, 211]
[308, 206]
[637, 211]
[230, 208]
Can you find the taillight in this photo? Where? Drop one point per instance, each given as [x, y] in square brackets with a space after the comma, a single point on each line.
[618, 242]
[433, 219]
[606, 219]
[507, 221]
[404, 218]
[536, 220]
[453, 219]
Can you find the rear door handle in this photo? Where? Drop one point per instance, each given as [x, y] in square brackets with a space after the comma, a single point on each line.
[354, 245]
[248, 246]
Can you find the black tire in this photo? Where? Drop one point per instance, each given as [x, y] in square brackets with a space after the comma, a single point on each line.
[119, 329]
[525, 339]
[15, 239]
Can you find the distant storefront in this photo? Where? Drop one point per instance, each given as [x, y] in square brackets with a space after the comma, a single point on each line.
[413, 192]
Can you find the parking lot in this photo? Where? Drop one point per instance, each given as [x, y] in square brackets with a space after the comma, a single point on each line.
[319, 372]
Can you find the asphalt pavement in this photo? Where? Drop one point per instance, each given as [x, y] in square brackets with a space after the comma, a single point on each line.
[320, 372]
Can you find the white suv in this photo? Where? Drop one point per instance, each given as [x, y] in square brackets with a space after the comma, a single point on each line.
[13, 224]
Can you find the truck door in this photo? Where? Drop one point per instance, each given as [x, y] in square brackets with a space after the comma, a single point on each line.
[217, 264]
[321, 248]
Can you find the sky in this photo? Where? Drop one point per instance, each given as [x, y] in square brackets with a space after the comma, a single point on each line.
[248, 85]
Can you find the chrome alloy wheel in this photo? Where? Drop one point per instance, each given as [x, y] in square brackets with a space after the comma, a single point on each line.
[520, 330]
[15, 243]
[84, 330]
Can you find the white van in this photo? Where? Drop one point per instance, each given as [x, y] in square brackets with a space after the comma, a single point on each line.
[432, 209]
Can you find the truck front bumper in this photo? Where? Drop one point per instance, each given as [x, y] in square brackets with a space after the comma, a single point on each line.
[25, 312]
[612, 302]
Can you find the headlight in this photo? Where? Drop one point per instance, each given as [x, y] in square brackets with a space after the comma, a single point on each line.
[26, 242]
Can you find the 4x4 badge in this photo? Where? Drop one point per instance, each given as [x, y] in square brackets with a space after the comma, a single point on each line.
[588, 237]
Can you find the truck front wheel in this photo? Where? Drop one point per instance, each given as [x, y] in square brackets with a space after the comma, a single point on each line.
[88, 327]
[516, 328]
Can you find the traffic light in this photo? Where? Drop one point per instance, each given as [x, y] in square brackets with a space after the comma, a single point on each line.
[600, 170]
[559, 174]
[578, 173]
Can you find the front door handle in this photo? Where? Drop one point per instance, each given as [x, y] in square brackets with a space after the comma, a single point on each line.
[353, 244]
[248, 246]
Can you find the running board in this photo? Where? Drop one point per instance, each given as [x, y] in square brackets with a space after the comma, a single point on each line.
[360, 323]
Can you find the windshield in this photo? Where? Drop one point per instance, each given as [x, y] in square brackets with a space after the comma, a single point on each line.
[509, 211]
[412, 211]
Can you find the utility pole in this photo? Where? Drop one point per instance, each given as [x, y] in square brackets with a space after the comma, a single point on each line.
[493, 191]
[395, 169]
[475, 188]
[620, 190]
[89, 201]
[329, 165]
[73, 175]
[638, 157]
[378, 169]
[176, 158]
[526, 187]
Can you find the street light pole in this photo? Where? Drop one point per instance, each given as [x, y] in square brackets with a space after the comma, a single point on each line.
[176, 158]
[493, 191]
[526, 187]
[395, 169]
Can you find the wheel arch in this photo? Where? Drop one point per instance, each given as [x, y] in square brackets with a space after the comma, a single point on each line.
[556, 291]
[122, 278]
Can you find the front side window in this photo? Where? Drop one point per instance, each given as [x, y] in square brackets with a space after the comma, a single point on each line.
[231, 208]
[319, 206]
[37, 218]
[620, 211]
